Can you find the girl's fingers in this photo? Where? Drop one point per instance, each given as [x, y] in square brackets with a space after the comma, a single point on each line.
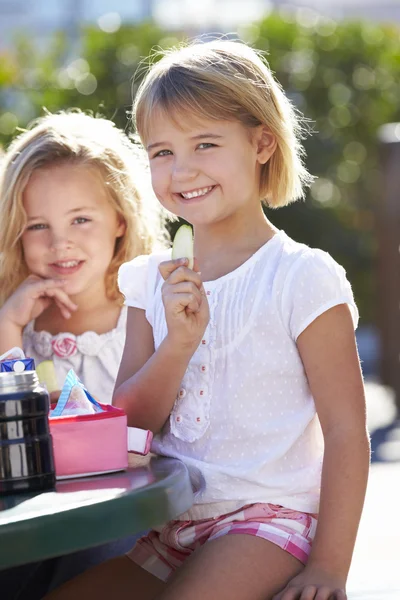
[185, 287]
[61, 297]
[325, 593]
[64, 311]
[52, 288]
[179, 303]
[167, 267]
[308, 593]
[184, 274]
[174, 271]
[54, 396]
[175, 293]
[193, 306]
[42, 285]
[289, 593]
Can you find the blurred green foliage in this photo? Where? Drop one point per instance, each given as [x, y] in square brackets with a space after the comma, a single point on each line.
[345, 78]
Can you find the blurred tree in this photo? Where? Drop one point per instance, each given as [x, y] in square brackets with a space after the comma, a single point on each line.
[98, 77]
[343, 76]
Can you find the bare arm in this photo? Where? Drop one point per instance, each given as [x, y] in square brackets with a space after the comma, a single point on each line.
[148, 381]
[10, 335]
[329, 354]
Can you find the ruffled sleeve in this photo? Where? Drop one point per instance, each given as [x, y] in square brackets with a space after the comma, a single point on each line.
[133, 281]
[315, 283]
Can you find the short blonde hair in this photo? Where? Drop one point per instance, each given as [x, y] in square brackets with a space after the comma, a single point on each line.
[79, 139]
[228, 80]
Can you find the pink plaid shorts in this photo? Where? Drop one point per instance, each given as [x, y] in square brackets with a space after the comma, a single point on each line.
[161, 553]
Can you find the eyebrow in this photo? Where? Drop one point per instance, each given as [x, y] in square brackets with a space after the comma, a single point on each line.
[72, 211]
[201, 136]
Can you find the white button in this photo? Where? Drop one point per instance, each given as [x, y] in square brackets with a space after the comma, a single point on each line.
[182, 393]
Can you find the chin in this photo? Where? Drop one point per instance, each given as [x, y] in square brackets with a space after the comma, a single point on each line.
[203, 222]
[72, 289]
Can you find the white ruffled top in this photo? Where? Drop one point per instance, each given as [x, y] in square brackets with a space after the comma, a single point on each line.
[94, 357]
[244, 420]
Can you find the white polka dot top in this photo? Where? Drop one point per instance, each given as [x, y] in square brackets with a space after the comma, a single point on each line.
[244, 420]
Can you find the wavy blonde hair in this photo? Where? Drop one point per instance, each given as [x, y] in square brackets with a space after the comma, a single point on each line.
[228, 80]
[75, 138]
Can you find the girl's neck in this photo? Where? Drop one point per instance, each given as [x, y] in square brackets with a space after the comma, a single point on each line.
[97, 313]
[222, 247]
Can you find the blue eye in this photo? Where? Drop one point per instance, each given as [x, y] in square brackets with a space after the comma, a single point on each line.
[205, 145]
[162, 153]
[81, 220]
[36, 227]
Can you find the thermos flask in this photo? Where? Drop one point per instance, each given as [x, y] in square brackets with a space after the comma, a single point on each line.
[26, 450]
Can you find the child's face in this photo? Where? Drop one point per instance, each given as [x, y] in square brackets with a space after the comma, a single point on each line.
[71, 229]
[206, 171]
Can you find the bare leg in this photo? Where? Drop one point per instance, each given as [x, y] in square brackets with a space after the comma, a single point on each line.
[70, 566]
[118, 578]
[235, 567]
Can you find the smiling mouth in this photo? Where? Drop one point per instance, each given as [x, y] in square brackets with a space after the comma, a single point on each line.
[196, 193]
[66, 267]
[66, 264]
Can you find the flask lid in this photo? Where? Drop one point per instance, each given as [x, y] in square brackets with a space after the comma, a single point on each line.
[18, 381]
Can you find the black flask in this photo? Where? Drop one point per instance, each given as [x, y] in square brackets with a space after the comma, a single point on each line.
[26, 449]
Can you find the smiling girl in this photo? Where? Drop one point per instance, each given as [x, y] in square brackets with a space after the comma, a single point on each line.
[71, 215]
[247, 369]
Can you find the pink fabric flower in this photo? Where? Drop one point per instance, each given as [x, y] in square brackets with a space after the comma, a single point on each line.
[64, 345]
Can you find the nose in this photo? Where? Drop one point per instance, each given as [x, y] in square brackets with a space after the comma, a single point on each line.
[59, 241]
[183, 170]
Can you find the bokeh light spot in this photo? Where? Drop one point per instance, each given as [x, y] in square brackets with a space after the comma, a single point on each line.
[8, 123]
[109, 22]
[86, 84]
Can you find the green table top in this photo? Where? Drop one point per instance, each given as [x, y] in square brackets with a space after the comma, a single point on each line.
[90, 511]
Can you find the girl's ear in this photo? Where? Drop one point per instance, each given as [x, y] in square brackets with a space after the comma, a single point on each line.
[266, 144]
[121, 227]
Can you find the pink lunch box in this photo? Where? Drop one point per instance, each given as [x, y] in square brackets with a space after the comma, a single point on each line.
[90, 444]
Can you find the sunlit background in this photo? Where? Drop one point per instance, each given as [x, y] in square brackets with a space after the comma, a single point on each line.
[339, 62]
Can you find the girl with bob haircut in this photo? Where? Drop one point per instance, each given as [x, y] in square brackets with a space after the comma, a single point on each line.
[230, 82]
[247, 369]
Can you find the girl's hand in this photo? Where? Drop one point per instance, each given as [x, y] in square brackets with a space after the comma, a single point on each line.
[185, 302]
[32, 297]
[313, 584]
[54, 396]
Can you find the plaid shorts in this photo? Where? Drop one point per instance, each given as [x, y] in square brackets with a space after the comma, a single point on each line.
[162, 552]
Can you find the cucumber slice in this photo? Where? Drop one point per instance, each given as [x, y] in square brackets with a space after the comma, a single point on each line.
[183, 244]
[47, 374]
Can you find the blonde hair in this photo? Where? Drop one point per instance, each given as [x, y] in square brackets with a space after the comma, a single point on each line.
[228, 80]
[75, 138]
